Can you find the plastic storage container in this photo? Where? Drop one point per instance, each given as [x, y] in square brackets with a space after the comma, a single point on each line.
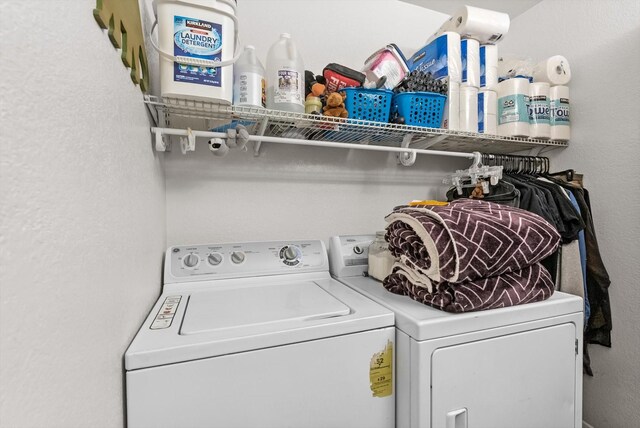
[197, 30]
[419, 108]
[368, 104]
[285, 76]
[380, 258]
[388, 62]
[248, 80]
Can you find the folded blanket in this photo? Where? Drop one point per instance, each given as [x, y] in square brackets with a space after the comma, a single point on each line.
[531, 284]
[469, 239]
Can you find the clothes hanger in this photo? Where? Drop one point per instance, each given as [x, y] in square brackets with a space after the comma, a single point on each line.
[476, 174]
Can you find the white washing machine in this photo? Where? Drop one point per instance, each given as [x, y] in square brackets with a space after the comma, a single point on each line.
[516, 367]
[259, 335]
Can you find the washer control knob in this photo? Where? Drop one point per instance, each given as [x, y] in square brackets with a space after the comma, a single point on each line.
[191, 260]
[214, 259]
[237, 257]
[358, 250]
[290, 253]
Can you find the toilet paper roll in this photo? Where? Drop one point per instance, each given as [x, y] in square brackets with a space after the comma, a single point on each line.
[440, 57]
[539, 111]
[554, 70]
[470, 59]
[451, 116]
[484, 25]
[560, 113]
[489, 66]
[469, 109]
[487, 112]
[513, 107]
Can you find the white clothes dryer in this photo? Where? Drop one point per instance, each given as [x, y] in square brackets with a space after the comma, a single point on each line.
[515, 367]
[259, 335]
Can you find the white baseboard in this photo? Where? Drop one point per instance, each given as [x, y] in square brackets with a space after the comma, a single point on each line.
[586, 425]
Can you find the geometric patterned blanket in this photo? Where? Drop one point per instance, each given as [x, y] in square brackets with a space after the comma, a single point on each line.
[531, 284]
[468, 239]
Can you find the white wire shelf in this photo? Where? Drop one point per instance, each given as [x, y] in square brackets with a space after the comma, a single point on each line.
[203, 115]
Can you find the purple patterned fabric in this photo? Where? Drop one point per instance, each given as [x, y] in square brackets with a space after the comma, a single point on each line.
[469, 239]
[531, 284]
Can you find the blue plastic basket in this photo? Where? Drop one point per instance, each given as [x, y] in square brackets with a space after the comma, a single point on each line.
[368, 104]
[419, 108]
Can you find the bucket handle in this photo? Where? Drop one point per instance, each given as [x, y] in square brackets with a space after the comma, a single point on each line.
[199, 61]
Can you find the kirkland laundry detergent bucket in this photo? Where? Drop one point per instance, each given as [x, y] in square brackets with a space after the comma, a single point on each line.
[197, 40]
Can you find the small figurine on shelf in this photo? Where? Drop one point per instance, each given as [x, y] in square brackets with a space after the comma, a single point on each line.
[315, 91]
[314, 85]
[335, 105]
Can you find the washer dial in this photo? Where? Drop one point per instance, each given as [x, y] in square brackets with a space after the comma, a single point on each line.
[191, 260]
[214, 259]
[290, 255]
[237, 257]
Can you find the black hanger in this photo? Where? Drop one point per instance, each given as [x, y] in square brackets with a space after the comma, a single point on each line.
[567, 173]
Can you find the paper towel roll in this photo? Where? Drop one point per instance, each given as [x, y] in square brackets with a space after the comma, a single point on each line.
[469, 108]
[489, 67]
[440, 57]
[554, 70]
[487, 112]
[451, 116]
[560, 113]
[513, 107]
[539, 111]
[484, 25]
[470, 58]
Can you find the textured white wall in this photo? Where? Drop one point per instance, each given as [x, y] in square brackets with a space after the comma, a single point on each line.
[601, 40]
[293, 192]
[82, 227]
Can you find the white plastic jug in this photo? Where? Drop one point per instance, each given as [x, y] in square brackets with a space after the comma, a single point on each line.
[248, 80]
[197, 40]
[285, 76]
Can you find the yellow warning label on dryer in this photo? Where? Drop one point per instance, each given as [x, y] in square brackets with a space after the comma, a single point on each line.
[381, 372]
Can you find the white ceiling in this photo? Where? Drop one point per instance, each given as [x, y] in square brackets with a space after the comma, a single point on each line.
[511, 7]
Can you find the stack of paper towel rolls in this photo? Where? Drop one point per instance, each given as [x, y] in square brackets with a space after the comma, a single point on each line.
[555, 73]
[480, 30]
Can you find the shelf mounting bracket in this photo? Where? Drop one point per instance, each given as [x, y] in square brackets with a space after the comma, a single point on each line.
[262, 127]
[408, 157]
[188, 143]
[162, 141]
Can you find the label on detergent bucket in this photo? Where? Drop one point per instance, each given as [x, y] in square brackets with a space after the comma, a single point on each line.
[513, 108]
[539, 110]
[195, 38]
[381, 372]
[560, 112]
[289, 87]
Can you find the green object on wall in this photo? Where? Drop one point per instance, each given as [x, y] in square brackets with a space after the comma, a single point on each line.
[122, 19]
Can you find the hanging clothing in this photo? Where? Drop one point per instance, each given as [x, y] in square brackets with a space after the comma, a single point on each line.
[503, 193]
[583, 263]
[599, 326]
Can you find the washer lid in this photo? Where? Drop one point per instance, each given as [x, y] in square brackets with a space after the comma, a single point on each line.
[245, 314]
[241, 308]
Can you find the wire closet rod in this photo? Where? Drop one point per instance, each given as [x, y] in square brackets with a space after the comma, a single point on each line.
[296, 141]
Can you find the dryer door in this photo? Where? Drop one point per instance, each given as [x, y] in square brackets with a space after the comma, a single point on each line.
[524, 380]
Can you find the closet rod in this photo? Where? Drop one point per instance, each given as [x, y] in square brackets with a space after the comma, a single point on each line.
[296, 141]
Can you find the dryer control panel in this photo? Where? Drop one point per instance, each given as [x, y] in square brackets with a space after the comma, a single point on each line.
[349, 254]
[243, 259]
